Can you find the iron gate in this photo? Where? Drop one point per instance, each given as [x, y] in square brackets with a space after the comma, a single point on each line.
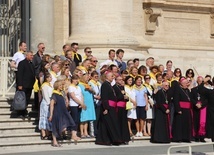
[14, 27]
[14, 24]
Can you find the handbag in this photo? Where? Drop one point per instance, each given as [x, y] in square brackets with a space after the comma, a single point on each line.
[129, 105]
[19, 101]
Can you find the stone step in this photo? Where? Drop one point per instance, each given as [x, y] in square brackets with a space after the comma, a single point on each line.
[25, 122]
[8, 108]
[47, 142]
[34, 134]
[5, 103]
[18, 129]
[24, 143]
[13, 115]
[8, 112]
[20, 139]
[8, 120]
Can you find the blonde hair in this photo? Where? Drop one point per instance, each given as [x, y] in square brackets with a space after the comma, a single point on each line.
[76, 71]
[57, 84]
[61, 78]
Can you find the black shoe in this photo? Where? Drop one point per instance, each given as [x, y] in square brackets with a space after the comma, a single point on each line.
[22, 117]
[125, 143]
[196, 139]
[186, 141]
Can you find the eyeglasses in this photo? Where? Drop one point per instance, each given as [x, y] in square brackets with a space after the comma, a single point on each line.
[167, 85]
[95, 61]
[89, 51]
[147, 78]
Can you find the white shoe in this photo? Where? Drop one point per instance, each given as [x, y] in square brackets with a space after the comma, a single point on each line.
[137, 134]
[140, 134]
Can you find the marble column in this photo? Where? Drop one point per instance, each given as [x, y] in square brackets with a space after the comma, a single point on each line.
[102, 23]
[42, 24]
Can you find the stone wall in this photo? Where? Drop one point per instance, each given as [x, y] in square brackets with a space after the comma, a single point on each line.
[180, 30]
[183, 32]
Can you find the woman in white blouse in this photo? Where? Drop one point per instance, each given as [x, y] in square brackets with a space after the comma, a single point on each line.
[95, 85]
[46, 89]
[75, 99]
[130, 92]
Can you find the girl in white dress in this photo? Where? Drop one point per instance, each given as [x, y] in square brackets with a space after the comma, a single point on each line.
[130, 92]
[44, 124]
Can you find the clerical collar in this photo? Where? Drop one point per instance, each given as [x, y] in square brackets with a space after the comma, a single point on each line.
[164, 90]
[108, 81]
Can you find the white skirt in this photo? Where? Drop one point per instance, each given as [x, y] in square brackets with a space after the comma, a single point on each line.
[132, 113]
[150, 113]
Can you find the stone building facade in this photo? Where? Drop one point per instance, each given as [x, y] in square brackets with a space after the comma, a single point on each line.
[179, 30]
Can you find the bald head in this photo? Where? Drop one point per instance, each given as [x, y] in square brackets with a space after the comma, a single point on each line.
[109, 76]
[165, 85]
[200, 80]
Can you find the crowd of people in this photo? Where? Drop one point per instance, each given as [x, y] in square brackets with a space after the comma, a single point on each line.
[115, 100]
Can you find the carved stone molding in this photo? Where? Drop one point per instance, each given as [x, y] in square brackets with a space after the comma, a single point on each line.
[151, 17]
[212, 25]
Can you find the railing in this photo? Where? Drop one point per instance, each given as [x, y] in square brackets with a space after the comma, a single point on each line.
[7, 78]
[189, 146]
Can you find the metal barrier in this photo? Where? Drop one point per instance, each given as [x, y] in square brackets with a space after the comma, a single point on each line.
[7, 78]
[189, 146]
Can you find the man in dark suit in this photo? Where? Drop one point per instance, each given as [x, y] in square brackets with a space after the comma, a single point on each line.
[37, 58]
[72, 64]
[37, 61]
[77, 58]
[26, 78]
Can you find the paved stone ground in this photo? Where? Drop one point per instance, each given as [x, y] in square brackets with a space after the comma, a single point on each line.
[136, 148]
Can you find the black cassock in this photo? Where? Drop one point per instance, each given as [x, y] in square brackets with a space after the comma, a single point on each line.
[209, 95]
[197, 97]
[122, 113]
[182, 124]
[108, 128]
[161, 122]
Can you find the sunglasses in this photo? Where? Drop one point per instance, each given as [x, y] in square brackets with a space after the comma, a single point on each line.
[89, 51]
[66, 64]
[43, 48]
[95, 61]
